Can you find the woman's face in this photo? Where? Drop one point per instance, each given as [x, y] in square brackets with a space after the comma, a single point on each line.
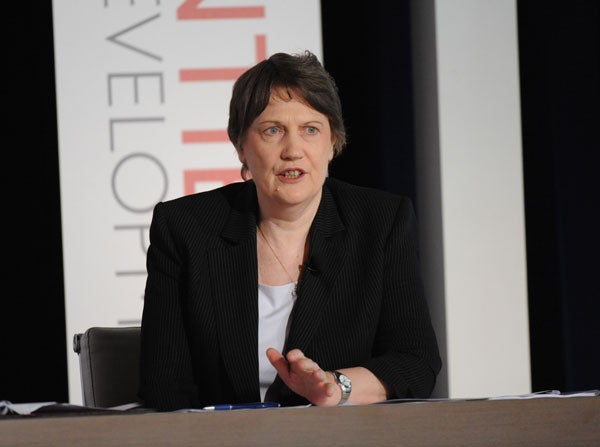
[287, 150]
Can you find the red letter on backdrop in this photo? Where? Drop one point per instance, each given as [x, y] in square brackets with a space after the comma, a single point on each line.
[217, 74]
[212, 177]
[189, 11]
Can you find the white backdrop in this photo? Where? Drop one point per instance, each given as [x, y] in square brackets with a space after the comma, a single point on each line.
[470, 193]
[142, 103]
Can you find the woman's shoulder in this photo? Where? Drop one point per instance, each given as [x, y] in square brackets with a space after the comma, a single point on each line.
[369, 209]
[345, 192]
[209, 208]
[222, 196]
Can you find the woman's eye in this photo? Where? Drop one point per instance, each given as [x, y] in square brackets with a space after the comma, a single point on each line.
[272, 131]
[311, 130]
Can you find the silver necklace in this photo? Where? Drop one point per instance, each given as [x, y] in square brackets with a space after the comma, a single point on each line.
[295, 290]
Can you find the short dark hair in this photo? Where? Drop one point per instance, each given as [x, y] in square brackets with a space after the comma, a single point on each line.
[299, 74]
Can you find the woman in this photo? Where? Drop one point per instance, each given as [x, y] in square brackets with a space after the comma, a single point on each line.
[291, 286]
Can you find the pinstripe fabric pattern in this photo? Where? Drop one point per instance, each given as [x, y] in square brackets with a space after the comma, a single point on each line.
[360, 302]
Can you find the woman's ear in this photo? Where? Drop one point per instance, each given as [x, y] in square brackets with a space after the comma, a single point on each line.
[332, 150]
[240, 154]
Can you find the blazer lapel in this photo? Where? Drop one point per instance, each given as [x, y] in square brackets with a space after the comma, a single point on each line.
[325, 260]
[234, 270]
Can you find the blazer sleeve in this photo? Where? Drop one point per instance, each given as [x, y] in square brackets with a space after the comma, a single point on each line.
[166, 380]
[405, 351]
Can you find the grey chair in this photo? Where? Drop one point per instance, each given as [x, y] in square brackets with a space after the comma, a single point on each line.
[109, 365]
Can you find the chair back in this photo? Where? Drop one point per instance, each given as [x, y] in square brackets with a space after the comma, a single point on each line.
[109, 365]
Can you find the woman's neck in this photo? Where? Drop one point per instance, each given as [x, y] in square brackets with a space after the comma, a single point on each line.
[282, 243]
[287, 221]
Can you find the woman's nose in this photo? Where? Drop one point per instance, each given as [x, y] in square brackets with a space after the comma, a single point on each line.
[292, 146]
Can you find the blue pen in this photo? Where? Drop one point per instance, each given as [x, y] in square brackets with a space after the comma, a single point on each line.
[252, 405]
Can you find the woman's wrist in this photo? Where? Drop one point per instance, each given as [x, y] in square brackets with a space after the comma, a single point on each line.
[344, 384]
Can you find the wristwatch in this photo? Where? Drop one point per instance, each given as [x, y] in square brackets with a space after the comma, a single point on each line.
[345, 384]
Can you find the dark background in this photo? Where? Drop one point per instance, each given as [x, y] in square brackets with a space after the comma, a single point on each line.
[368, 53]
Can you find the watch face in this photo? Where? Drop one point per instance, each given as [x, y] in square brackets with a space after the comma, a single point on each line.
[345, 381]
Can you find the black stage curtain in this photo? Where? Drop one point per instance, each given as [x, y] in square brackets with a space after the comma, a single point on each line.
[560, 82]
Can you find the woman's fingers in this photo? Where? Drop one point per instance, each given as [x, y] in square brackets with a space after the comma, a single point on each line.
[279, 362]
[299, 362]
[303, 375]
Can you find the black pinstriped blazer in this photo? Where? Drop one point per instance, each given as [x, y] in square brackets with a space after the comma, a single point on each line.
[360, 301]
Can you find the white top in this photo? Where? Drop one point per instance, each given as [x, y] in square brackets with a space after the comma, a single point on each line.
[274, 308]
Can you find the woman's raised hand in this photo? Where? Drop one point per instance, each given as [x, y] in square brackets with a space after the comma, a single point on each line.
[305, 377]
